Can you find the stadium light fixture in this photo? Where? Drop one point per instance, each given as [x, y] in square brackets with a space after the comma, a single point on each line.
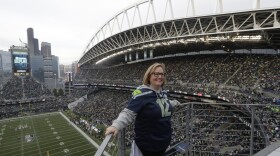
[181, 41]
[157, 44]
[247, 37]
[191, 40]
[113, 55]
[164, 43]
[172, 42]
[151, 45]
[145, 46]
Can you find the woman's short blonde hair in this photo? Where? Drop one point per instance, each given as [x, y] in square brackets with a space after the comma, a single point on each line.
[149, 72]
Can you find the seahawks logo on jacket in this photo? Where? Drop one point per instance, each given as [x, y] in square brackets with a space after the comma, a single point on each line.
[162, 102]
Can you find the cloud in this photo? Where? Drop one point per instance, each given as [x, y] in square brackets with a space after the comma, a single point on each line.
[70, 24]
[67, 24]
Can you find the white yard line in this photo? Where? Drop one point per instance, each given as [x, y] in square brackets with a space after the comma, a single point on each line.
[14, 118]
[47, 139]
[59, 147]
[34, 131]
[76, 127]
[82, 132]
[21, 138]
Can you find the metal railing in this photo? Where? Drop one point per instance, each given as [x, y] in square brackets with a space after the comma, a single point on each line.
[112, 145]
[203, 129]
[103, 145]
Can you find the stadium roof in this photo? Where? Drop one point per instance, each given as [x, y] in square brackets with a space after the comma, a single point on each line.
[254, 28]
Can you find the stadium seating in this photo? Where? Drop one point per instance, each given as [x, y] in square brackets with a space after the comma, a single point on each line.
[240, 78]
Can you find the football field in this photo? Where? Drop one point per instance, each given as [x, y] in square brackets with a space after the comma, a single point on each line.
[42, 135]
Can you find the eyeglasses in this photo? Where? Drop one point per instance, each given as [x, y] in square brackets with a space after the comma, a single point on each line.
[156, 74]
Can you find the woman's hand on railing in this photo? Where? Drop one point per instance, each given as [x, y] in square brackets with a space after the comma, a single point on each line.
[111, 130]
[175, 103]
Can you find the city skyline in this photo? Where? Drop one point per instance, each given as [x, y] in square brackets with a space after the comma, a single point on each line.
[67, 25]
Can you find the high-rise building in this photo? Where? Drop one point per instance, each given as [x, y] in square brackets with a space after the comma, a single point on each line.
[74, 68]
[6, 61]
[61, 69]
[48, 72]
[36, 47]
[55, 63]
[46, 49]
[30, 41]
[48, 65]
[1, 71]
[67, 68]
[37, 67]
[6, 66]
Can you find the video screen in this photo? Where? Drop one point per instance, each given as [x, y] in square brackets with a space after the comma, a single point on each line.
[20, 60]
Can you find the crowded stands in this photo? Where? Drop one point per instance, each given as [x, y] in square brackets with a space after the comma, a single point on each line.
[25, 96]
[239, 78]
[23, 88]
[215, 129]
[12, 90]
[243, 79]
[32, 88]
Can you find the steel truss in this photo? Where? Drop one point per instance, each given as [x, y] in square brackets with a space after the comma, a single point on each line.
[180, 30]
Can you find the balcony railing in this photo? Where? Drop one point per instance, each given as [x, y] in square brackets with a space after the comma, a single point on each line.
[201, 129]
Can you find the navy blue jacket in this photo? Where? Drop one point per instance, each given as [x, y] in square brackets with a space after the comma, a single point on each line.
[153, 121]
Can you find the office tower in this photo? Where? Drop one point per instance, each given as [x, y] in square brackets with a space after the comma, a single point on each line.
[48, 72]
[74, 68]
[1, 71]
[6, 61]
[37, 67]
[30, 41]
[36, 47]
[55, 63]
[46, 49]
[61, 69]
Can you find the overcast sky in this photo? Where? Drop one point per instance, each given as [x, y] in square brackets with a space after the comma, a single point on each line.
[69, 24]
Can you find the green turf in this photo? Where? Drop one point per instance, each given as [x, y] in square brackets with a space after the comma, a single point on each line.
[43, 128]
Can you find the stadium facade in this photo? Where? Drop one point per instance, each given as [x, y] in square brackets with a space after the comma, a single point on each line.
[134, 30]
[231, 52]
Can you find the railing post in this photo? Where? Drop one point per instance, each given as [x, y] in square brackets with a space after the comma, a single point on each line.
[188, 128]
[191, 130]
[121, 141]
[103, 145]
[252, 130]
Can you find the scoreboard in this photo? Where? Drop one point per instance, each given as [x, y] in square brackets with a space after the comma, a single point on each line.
[20, 60]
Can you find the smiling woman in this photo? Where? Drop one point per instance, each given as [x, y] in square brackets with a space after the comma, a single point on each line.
[155, 76]
[151, 110]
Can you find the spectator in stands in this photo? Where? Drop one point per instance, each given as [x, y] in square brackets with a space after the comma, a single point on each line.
[151, 110]
[233, 76]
